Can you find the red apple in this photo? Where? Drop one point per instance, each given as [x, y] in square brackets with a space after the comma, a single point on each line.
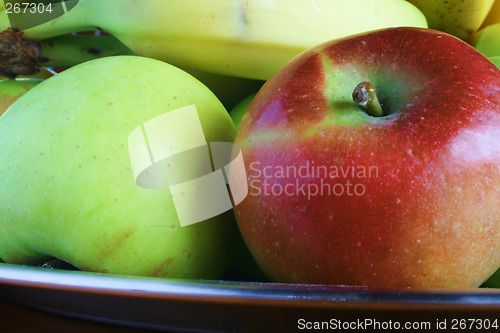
[407, 198]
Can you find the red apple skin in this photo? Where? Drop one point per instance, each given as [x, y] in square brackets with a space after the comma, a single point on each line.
[431, 217]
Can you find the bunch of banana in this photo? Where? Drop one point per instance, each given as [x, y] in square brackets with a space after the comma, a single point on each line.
[69, 50]
[461, 18]
[245, 38]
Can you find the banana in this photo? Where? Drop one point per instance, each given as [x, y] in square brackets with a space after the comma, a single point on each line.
[44, 73]
[493, 15]
[70, 50]
[461, 18]
[245, 38]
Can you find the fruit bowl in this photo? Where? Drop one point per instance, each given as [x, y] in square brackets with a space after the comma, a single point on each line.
[222, 306]
[431, 222]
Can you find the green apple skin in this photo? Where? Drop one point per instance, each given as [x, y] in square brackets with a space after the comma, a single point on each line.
[493, 281]
[229, 89]
[67, 187]
[488, 40]
[427, 215]
[239, 110]
[496, 61]
[244, 266]
[12, 89]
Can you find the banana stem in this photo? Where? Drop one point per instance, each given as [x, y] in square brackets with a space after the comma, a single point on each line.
[17, 56]
[20, 57]
[70, 50]
[74, 20]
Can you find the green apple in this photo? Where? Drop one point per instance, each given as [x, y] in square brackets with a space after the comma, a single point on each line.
[68, 185]
[495, 60]
[229, 89]
[243, 266]
[12, 89]
[488, 40]
[239, 110]
[493, 281]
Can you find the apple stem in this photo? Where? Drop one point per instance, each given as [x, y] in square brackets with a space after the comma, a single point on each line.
[364, 94]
